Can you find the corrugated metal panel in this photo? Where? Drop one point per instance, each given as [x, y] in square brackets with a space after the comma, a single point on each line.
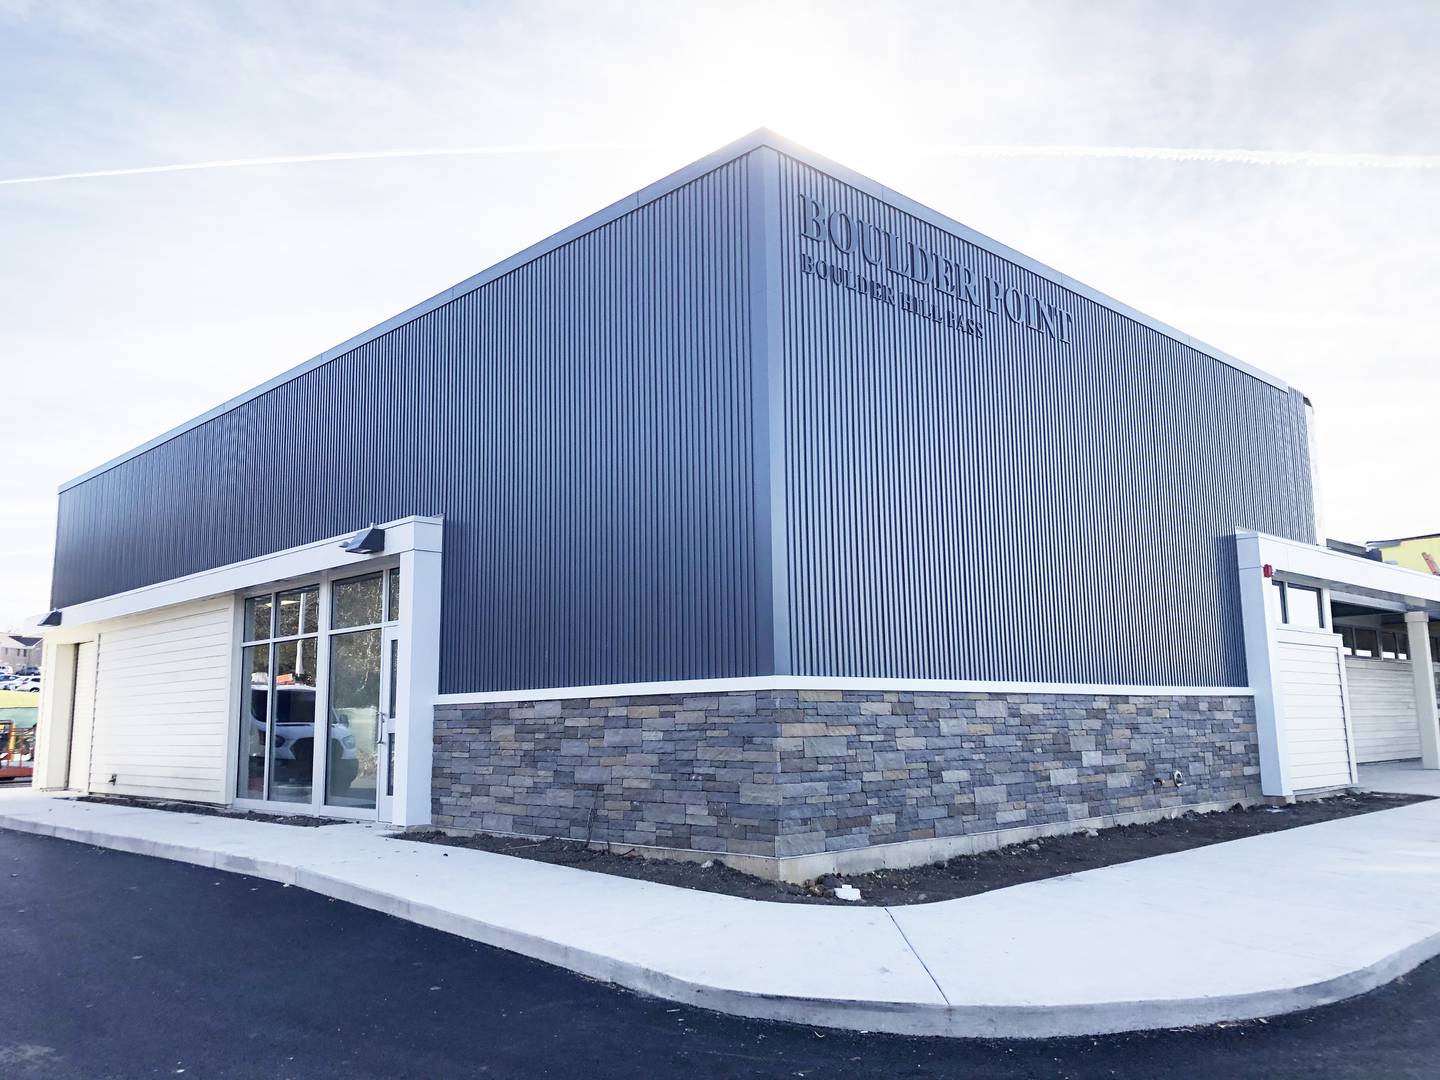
[583, 424]
[1013, 507]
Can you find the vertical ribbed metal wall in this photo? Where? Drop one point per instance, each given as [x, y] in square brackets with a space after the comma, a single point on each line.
[1014, 507]
[1006, 507]
[583, 423]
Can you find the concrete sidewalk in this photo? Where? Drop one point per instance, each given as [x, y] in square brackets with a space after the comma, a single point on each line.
[1400, 777]
[1246, 929]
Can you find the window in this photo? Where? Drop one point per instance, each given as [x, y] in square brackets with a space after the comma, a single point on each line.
[277, 713]
[1393, 646]
[1376, 644]
[319, 667]
[1301, 606]
[1304, 607]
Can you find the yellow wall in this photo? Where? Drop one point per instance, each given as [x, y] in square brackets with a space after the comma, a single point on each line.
[1411, 553]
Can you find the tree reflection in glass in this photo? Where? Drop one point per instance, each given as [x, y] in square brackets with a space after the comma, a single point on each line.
[354, 718]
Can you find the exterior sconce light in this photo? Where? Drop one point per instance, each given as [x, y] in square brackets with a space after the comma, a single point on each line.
[369, 541]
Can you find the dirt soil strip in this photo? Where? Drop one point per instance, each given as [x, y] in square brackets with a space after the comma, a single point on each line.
[964, 875]
[303, 820]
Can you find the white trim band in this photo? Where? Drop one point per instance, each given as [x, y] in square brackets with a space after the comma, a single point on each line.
[679, 687]
[401, 535]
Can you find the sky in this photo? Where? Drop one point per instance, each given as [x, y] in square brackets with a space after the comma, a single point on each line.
[1264, 176]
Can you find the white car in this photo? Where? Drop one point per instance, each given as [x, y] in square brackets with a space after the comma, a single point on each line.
[294, 755]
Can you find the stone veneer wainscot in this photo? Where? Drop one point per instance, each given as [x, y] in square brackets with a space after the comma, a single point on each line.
[784, 773]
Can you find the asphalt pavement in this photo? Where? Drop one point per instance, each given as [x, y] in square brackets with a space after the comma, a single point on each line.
[123, 966]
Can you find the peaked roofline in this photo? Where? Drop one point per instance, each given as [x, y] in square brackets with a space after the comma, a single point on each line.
[761, 137]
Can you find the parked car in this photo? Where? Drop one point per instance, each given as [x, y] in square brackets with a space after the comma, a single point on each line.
[294, 756]
[28, 669]
[26, 684]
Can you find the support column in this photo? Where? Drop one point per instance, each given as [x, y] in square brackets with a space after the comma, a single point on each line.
[57, 705]
[1260, 615]
[420, 597]
[1426, 713]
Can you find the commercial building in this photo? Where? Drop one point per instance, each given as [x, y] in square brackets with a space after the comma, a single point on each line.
[764, 513]
[1413, 552]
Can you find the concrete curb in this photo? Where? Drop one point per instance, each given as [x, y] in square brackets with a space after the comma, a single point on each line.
[904, 1018]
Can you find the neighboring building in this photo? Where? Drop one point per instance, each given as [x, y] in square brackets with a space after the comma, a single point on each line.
[764, 513]
[1412, 552]
[19, 650]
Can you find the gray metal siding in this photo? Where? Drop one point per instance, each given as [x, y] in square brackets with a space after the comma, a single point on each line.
[1014, 507]
[583, 423]
[621, 467]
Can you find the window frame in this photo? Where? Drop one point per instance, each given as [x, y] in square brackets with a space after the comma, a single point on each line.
[325, 581]
[1325, 618]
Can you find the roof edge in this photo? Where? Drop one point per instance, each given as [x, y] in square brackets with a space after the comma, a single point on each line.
[1401, 539]
[760, 137]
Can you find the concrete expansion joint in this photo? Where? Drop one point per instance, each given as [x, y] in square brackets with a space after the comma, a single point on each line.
[939, 989]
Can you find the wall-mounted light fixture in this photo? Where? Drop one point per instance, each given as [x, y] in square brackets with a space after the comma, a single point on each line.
[369, 541]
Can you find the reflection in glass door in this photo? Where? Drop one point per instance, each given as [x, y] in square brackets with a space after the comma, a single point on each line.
[354, 717]
[318, 678]
[277, 710]
[362, 611]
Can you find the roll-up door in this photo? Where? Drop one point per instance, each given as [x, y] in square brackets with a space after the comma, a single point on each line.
[1382, 709]
[162, 704]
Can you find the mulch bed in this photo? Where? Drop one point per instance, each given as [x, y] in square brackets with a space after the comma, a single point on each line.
[303, 820]
[964, 875]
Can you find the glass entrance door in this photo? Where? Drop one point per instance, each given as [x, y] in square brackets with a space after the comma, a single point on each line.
[364, 612]
[317, 710]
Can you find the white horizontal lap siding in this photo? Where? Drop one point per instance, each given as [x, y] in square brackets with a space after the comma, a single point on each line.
[162, 708]
[1317, 749]
[1382, 707]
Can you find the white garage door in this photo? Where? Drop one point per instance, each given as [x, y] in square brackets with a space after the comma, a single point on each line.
[1382, 709]
[1317, 748]
[162, 705]
[82, 716]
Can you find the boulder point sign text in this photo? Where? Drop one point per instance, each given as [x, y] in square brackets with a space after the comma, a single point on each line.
[883, 256]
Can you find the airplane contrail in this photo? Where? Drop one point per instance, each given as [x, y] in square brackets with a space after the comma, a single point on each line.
[306, 159]
[1212, 155]
[1216, 155]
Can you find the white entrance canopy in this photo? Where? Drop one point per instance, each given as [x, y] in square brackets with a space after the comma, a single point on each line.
[159, 676]
[1302, 709]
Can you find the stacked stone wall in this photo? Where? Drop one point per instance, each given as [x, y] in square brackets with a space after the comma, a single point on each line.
[785, 773]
